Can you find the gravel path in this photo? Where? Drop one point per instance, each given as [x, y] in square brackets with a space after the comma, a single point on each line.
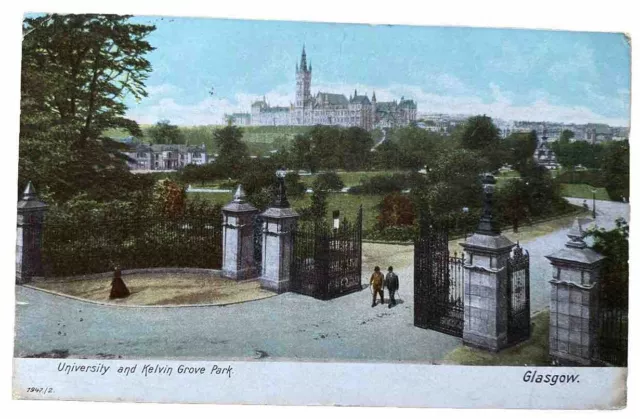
[286, 326]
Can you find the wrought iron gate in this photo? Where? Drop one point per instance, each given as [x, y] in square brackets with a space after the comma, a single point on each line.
[438, 283]
[519, 314]
[327, 262]
[257, 242]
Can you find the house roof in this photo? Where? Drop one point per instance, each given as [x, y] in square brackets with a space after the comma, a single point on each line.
[360, 99]
[334, 99]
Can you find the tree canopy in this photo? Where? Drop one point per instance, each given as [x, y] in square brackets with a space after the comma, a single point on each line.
[233, 152]
[165, 133]
[76, 71]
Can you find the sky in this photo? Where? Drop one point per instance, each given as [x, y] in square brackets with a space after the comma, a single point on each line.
[206, 68]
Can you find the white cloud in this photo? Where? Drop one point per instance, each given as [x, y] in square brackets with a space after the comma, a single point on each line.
[209, 111]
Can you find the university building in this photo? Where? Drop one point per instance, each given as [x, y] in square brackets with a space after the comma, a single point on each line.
[325, 108]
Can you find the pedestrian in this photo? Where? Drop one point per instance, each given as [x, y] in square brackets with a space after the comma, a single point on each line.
[585, 205]
[392, 283]
[377, 285]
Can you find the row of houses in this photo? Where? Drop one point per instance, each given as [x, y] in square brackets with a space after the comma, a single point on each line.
[165, 156]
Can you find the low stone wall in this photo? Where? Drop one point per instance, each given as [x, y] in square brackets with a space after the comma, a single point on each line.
[109, 274]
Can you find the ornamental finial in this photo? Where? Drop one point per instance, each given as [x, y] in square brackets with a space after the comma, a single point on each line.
[239, 195]
[576, 236]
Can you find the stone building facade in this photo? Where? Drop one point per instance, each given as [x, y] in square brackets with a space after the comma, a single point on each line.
[164, 156]
[326, 108]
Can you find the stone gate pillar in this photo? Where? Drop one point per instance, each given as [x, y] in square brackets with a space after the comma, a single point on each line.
[29, 236]
[279, 222]
[238, 260]
[485, 282]
[573, 304]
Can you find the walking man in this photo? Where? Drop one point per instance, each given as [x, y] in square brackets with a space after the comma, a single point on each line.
[377, 285]
[392, 285]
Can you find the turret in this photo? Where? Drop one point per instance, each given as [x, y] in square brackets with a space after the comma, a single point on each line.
[303, 82]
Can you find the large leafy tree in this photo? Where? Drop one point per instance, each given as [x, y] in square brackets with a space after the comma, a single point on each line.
[76, 71]
[451, 183]
[163, 132]
[519, 148]
[615, 167]
[233, 152]
[480, 134]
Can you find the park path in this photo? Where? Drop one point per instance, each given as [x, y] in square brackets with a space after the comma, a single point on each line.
[287, 326]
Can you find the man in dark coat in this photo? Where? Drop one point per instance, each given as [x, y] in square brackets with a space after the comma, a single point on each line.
[392, 283]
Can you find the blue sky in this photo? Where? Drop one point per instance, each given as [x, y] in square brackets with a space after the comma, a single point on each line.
[204, 68]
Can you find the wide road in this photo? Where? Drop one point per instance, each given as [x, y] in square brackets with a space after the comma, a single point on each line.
[287, 326]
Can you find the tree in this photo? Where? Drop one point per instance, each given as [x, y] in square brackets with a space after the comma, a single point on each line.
[171, 198]
[295, 188]
[165, 133]
[615, 166]
[302, 153]
[356, 148]
[396, 210]
[513, 202]
[566, 135]
[450, 184]
[519, 148]
[614, 244]
[76, 70]
[328, 181]
[232, 151]
[317, 211]
[480, 134]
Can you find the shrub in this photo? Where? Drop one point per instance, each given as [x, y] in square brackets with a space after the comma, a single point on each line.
[328, 181]
[170, 198]
[295, 188]
[392, 234]
[396, 210]
[614, 244]
[383, 184]
[318, 208]
[594, 178]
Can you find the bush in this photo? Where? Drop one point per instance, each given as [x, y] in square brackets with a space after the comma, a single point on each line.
[318, 208]
[594, 178]
[328, 181]
[170, 198]
[392, 234]
[383, 184]
[613, 244]
[396, 211]
[295, 188]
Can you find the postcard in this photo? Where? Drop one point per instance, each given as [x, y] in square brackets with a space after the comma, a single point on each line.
[294, 213]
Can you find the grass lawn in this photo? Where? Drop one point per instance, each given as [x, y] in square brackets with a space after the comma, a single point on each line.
[582, 190]
[534, 351]
[347, 204]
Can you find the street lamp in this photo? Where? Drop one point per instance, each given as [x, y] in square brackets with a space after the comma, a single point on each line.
[593, 191]
[487, 226]
[465, 211]
[281, 200]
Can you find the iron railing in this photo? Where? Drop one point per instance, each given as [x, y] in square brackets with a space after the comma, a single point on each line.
[327, 262]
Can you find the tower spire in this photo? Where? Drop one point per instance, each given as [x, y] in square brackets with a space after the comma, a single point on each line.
[303, 60]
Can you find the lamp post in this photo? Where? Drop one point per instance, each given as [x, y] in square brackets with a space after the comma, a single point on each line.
[593, 191]
[486, 225]
[465, 211]
[281, 200]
